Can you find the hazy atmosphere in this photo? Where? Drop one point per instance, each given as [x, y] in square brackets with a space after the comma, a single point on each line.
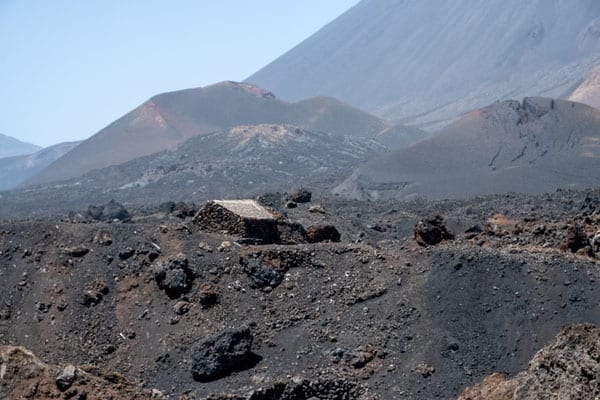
[71, 67]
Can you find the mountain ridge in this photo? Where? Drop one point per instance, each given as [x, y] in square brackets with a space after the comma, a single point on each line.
[17, 169]
[10, 146]
[242, 161]
[168, 119]
[533, 146]
[404, 59]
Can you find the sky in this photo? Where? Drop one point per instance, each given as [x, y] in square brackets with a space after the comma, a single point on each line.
[69, 68]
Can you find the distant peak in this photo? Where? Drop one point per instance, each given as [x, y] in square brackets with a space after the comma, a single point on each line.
[248, 88]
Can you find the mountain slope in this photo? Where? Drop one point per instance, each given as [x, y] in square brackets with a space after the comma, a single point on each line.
[429, 61]
[169, 119]
[239, 162]
[244, 160]
[588, 91]
[10, 147]
[15, 170]
[532, 147]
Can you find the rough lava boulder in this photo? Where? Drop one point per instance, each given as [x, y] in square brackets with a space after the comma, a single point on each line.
[221, 354]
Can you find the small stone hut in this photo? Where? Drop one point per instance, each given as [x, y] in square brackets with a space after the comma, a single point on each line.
[244, 218]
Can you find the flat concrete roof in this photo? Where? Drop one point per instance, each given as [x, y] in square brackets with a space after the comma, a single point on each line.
[246, 208]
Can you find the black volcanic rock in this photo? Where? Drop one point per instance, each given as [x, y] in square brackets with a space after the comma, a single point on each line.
[109, 212]
[267, 267]
[431, 231]
[301, 196]
[174, 275]
[219, 355]
[113, 210]
[322, 233]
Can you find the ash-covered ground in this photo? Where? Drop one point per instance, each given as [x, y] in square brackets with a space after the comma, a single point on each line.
[377, 315]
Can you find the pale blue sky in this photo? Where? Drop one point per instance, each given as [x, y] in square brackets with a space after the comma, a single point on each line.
[70, 67]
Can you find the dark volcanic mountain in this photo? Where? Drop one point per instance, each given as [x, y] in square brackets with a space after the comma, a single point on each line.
[169, 119]
[10, 147]
[534, 146]
[424, 61]
[239, 162]
[244, 160]
[15, 170]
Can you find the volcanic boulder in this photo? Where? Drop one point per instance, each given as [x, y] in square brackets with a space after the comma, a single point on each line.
[267, 267]
[109, 212]
[66, 378]
[179, 210]
[208, 296]
[291, 232]
[323, 233]
[262, 273]
[219, 355]
[76, 251]
[431, 231]
[301, 196]
[576, 240]
[173, 275]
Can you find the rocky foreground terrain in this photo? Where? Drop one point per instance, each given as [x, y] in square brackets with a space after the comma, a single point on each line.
[417, 300]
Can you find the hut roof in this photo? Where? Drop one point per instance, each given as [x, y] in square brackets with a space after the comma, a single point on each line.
[246, 208]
